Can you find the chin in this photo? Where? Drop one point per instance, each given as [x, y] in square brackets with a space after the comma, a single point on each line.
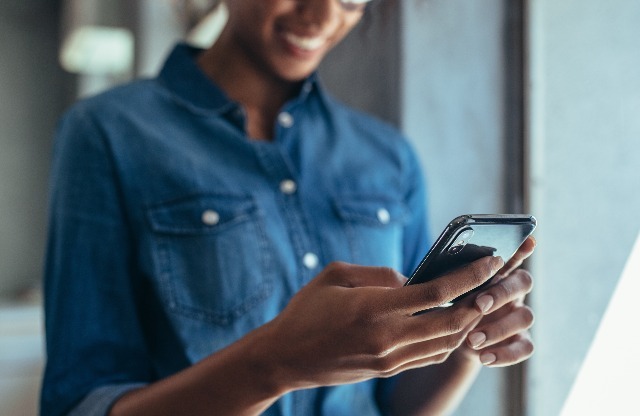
[295, 77]
[294, 73]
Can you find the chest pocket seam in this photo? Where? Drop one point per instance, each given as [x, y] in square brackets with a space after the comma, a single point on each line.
[211, 256]
[373, 227]
[370, 210]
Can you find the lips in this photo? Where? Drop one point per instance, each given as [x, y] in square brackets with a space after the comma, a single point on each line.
[305, 43]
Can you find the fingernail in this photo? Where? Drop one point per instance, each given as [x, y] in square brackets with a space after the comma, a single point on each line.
[476, 339]
[488, 358]
[497, 263]
[484, 302]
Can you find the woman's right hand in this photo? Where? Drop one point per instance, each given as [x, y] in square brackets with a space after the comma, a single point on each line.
[349, 324]
[353, 323]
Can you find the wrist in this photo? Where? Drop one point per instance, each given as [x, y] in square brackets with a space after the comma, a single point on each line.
[264, 359]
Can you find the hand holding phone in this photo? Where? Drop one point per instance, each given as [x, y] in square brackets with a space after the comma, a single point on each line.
[470, 237]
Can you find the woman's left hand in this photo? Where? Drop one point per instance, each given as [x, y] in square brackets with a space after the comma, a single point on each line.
[502, 338]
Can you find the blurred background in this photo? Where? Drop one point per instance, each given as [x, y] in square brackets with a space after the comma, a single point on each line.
[513, 106]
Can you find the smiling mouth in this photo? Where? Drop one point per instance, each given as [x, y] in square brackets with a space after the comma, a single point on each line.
[308, 44]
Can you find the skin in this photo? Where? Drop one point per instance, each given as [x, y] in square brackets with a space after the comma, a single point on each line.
[350, 323]
[507, 341]
[259, 59]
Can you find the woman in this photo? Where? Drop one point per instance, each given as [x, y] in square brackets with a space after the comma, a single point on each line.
[197, 221]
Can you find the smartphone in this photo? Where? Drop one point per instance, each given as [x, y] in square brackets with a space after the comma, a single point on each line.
[470, 237]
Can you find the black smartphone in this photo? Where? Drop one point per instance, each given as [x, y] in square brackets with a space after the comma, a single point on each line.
[470, 237]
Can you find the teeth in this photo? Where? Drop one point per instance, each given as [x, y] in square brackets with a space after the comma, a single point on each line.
[305, 43]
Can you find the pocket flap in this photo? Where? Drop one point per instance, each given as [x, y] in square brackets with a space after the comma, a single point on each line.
[200, 214]
[371, 210]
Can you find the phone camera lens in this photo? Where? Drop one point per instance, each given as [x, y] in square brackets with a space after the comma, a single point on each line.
[461, 241]
[466, 234]
[456, 249]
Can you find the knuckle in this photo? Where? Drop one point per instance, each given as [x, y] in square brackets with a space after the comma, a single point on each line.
[388, 271]
[525, 346]
[527, 315]
[499, 333]
[519, 351]
[452, 342]
[435, 293]
[481, 270]
[366, 318]
[392, 274]
[378, 346]
[455, 323]
[337, 267]
[335, 270]
[459, 319]
[529, 348]
[440, 359]
[478, 272]
[505, 290]
[383, 365]
[526, 279]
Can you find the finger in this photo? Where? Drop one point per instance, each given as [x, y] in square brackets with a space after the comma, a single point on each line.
[423, 352]
[423, 362]
[350, 275]
[486, 335]
[416, 298]
[420, 354]
[524, 251]
[511, 351]
[511, 288]
[438, 323]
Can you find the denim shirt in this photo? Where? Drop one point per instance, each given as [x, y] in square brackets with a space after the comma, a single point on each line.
[173, 234]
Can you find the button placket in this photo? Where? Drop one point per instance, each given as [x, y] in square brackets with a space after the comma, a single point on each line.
[304, 247]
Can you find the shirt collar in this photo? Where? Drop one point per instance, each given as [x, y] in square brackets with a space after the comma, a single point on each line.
[189, 85]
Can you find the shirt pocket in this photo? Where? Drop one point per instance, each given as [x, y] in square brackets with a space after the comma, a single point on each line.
[211, 256]
[373, 226]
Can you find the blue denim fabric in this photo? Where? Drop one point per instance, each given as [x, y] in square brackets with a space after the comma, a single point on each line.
[172, 234]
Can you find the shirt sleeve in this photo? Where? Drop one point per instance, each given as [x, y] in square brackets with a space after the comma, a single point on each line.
[94, 342]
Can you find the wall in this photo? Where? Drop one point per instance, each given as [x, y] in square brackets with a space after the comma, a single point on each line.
[34, 91]
[585, 154]
[21, 359]
[364, 70]
[452, 108]
[452, 103]
[435, 68]
[33, 94]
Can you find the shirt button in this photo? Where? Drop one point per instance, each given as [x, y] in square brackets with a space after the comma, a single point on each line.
[210, 217]
[285, 119]
[307, 87]
[310, 261]
[383, 216]
[288, 186]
